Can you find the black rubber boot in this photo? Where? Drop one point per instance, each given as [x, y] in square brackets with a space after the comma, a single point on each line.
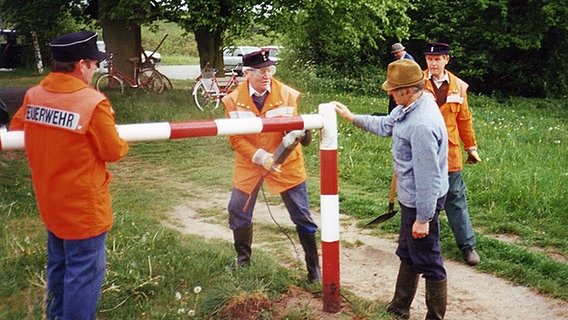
[309, 244]
[243, 241]
[436, 299]
[405, 290]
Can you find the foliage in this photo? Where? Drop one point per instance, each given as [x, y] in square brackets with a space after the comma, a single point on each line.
[177, 43]
[131, 12]
[309, 77]
[213, 22]
[500, 46]
[351, 43]
[48, 19]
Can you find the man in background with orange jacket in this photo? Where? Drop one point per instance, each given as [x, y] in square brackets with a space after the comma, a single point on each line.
[450, 93]
[70, 134]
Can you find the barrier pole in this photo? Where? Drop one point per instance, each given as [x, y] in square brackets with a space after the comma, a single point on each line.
[329, 210]
[137, 132]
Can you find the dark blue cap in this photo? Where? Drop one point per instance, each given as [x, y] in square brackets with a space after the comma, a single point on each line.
[76, 46]
[258, 59]
[437, 48]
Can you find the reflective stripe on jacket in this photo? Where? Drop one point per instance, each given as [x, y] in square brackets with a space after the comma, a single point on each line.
[458, 119]
[68, 167]
[282, 101]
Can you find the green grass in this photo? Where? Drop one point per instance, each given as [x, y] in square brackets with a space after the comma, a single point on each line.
[179, 59]
[517, 193]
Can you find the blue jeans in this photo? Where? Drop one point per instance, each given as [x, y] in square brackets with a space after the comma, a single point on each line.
[457, 212]
[423, 255]
[241, 207]
[75, 273]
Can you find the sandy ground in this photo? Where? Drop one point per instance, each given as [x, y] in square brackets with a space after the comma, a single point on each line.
[369, 268]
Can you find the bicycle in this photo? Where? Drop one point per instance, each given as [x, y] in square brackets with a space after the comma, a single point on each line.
[114, 80]
[207, 92]
[150, 63]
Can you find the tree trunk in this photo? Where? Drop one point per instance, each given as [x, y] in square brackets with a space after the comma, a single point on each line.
[124, 42]
[209, 45]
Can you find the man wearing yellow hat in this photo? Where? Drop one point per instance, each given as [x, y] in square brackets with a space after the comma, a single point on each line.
[420, 152]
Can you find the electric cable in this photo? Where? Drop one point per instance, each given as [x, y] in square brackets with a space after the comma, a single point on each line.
[276, 222]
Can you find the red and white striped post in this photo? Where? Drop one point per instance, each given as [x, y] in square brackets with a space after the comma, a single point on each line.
[329, 210]
[326, 120]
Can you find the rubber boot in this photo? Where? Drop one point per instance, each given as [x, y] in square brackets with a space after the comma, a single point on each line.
[405, 290]
[436, 299]
[309, 244]
[243, 241]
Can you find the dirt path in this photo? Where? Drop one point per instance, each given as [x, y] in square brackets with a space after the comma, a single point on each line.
[369, 267]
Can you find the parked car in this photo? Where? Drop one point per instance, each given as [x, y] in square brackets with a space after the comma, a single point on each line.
[233, 57]
[274, 51]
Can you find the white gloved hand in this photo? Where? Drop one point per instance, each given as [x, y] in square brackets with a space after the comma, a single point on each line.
[265, 159]
[472, 156]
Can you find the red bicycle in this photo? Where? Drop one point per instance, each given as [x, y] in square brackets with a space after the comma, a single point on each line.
[207, 92]
[147, 78]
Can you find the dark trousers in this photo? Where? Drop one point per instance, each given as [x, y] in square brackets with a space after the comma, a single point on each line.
[241, 207]
[458, 213]
[423, 255]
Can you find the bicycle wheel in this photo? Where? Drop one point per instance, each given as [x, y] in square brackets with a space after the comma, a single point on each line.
[107, 83]
[206, 95]
[150, 80]
[167, 83]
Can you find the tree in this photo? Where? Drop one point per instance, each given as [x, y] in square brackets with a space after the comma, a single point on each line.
[120, 21]
[347, 37]
[38, 15]
[515, 47]
[213, 23]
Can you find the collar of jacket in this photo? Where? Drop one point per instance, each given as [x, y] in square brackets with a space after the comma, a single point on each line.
[400, 113]
[273, 100]
[62, 82]
[456, 85]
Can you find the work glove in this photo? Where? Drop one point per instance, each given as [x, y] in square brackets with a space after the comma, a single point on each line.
[472, 156]
[265, 159]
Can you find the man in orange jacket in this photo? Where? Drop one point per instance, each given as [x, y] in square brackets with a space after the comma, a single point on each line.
[450, 93]
[263, 96]
[70, 134]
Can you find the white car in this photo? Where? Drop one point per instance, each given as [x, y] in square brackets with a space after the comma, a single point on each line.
[274, 51]
[233, 57]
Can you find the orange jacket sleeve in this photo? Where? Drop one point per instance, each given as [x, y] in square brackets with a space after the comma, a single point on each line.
[102, 131]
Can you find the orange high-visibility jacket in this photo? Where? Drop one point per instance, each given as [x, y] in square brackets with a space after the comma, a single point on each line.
[457, 116]
[282, 101]
[70, 134]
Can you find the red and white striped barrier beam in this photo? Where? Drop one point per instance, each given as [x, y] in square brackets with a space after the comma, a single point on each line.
[326, 120]
[14, 140]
